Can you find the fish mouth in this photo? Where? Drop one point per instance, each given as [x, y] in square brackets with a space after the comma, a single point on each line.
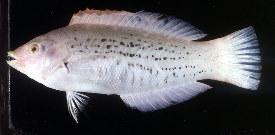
[11, 57]
[13, 60]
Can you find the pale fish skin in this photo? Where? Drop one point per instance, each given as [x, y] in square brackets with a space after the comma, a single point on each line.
[137, 64]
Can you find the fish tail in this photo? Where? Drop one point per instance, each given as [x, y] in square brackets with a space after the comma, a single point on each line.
[239, 59]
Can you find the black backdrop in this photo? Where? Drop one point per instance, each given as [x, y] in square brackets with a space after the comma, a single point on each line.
[224, 109]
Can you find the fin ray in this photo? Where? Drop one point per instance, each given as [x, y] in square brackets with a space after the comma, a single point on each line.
[147, 21]
[76, 103]
[151, 101]
[242, 58]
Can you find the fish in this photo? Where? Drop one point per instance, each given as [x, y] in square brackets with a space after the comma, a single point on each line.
[150, 60]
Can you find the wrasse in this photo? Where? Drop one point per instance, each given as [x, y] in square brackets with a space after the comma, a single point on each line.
[150, 60]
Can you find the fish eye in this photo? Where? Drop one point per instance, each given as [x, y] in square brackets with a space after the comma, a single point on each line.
[34, 48]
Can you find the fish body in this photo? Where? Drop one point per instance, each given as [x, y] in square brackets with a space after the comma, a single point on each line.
[150, 60]
[121, 61]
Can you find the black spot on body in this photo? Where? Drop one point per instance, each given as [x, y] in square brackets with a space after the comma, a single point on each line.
[75, 38]
[108, 46]
[138, 18]
[66, 66]
[160, 48]
[132, 55]
[164, 58]
[122, 43]
[43, 47]
[131, 44]
[103, 40]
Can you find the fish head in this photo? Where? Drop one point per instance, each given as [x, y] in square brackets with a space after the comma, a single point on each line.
[39, 58]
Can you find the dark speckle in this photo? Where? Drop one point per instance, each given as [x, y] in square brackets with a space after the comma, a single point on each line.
[75, 38]
[43, 47]
[160, 48]
[122, 43]
[108, 46]
[131, 44]
[132, 55]
[164, 58]
[66, 66]
[138, 18]
[103, 40]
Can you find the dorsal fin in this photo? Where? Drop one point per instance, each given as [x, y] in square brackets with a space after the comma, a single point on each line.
[147, 21]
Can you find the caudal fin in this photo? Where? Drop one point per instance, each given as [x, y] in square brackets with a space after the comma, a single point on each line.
[240, 59]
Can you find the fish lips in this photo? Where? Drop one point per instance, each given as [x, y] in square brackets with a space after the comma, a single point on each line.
[13, 61]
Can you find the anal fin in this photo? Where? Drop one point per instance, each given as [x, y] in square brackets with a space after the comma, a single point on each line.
[151, 101]
[76, 103]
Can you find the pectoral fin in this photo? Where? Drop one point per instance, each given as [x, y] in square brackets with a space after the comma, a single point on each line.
[151, 101]
[76, 103]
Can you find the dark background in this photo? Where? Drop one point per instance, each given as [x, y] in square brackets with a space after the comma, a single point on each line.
[225, 109]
